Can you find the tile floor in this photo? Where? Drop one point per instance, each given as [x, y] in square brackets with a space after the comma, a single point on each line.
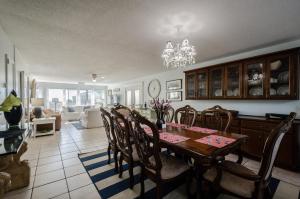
[56, 171]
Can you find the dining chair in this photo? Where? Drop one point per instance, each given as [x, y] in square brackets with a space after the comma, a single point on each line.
[125, 145]
[235, 179]
[109, 130]
[186, 115]
[156, 165]
[124, 110]
[169, 114]
[216, 118]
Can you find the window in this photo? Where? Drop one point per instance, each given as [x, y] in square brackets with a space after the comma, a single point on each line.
[137, 97]
[71, 97]
[83, 97]
[56, 98]
[128, 98]
[99, 96]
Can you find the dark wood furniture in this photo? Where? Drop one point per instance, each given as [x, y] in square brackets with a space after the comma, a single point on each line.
[169, 114]
[258, 129]
[159, 167]
[128, 152]
[124, 110]
[111, 137]
[240, 181]
[270, 77]
[185, 115]
[216, 118]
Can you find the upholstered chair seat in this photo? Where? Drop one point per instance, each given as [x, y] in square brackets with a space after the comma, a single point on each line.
[171, 166]
[231, 182]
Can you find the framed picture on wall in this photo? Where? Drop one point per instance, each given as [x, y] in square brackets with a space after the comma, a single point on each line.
[174, 84]
[174, 96]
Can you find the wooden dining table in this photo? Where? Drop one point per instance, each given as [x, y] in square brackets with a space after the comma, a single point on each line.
[198, 151]
[204, 155]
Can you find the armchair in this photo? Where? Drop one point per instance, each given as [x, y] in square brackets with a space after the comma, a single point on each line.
[91, 118]
[235, 179]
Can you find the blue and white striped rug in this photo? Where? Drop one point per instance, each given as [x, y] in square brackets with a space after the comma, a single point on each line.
[109, 185]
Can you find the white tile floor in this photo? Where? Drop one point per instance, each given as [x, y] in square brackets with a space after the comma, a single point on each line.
[56, 171]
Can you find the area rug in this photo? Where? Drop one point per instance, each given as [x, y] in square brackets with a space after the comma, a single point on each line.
[109, 185]
[78, 125]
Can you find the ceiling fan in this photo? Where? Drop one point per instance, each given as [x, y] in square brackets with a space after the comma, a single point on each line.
[95, 76]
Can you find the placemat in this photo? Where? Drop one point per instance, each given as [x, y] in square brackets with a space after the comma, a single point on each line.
[216, 141]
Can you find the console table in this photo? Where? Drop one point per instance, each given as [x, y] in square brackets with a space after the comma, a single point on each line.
[37, 121]
[12, 146]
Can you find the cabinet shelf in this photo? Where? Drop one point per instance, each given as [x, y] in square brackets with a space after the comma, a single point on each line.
[231, 80]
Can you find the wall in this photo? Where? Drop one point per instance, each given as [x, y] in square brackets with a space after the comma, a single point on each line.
[7, 47]
[248, 107]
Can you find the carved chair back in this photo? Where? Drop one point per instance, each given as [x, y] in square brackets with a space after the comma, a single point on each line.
[147, 148]
[122, 133]
[108, 126]
[216, 118]
[272, 145]
[186, 115]
[124, 110]
[169, 114]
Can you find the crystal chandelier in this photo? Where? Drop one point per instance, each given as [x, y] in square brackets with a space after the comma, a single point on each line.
[179, 54]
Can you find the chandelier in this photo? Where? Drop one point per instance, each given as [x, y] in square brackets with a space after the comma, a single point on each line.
[178, 54]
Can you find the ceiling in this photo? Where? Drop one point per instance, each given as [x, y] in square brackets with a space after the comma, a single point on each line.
[63, 40]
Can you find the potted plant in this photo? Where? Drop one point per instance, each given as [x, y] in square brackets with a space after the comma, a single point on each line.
[160, 108]
[12, 108]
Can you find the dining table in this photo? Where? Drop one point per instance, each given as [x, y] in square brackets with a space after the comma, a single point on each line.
[201, 144]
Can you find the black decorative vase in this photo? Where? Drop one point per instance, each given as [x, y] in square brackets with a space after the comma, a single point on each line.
[14, 117]
[159, 124]
[160, 121]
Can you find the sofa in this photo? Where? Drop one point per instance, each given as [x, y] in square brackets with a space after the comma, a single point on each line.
[91, 118]
[70, 113]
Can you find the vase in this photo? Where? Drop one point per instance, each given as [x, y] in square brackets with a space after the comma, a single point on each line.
[14, 117]
[160, 121]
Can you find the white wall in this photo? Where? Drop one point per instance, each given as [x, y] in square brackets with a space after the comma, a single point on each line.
[247, 107]
[7, 47]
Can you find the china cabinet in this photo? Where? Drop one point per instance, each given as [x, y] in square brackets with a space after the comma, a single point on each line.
[269, 77]
[255, 76]
[234, 81]
[216, 83]
[190, 85]
[202, 84]
[281, 82]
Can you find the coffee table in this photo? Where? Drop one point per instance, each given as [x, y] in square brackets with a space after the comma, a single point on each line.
[37, 121]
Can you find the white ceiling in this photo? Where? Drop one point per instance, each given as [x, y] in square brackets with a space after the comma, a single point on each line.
[67, 40]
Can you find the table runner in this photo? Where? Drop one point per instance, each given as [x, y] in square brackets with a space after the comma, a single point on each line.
[202, 130]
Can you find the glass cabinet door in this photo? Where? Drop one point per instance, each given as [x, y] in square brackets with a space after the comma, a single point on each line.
[279, 70]
[216, 82]
[190, 85]
[202, 84]
[233, 77]
[254, 79]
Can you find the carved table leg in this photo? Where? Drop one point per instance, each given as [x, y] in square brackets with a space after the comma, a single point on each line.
[18, 170]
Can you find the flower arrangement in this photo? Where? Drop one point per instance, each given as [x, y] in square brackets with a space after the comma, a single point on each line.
[160, 108]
